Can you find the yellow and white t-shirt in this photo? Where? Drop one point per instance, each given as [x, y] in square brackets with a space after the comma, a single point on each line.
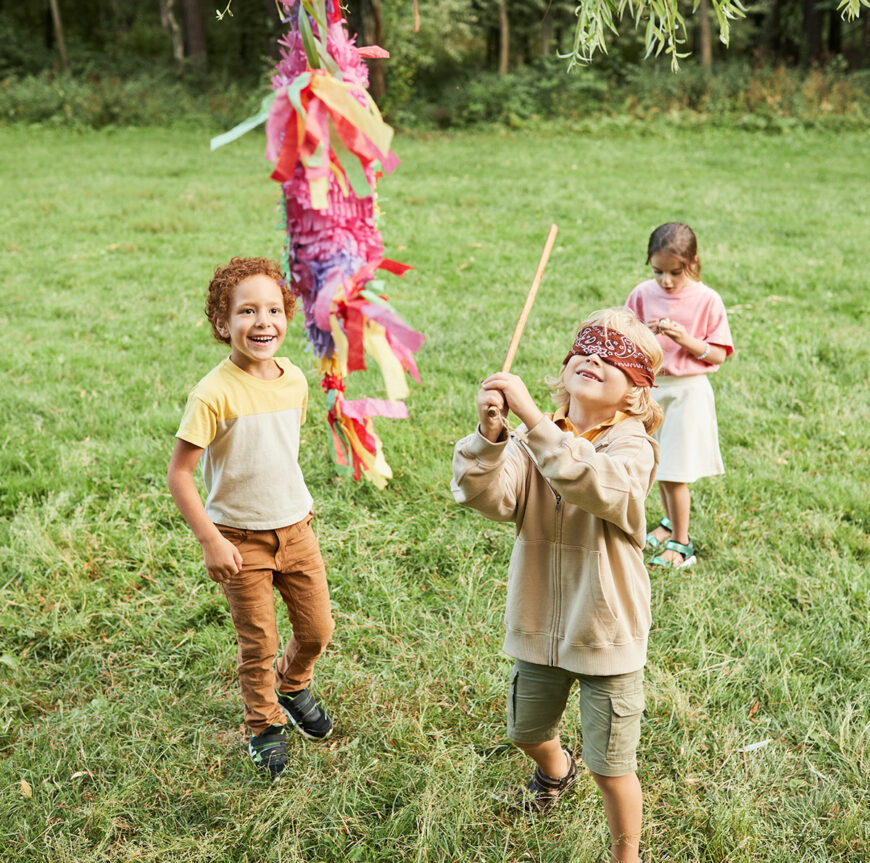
[249, 429]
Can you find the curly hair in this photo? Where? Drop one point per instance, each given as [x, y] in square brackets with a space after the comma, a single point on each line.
[224, 281]
[640, 401]
[678, 241]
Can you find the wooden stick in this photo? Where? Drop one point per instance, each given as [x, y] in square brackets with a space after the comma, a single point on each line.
[527, 308]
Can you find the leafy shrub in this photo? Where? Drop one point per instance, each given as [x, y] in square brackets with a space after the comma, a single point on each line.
[774, 96]
[96, 102]
[20, 53]
[538, 91]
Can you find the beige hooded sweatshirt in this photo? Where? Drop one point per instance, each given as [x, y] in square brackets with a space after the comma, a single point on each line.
[578, 592]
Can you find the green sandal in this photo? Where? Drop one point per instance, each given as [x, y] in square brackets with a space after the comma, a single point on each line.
[651, 541]
[687, 552]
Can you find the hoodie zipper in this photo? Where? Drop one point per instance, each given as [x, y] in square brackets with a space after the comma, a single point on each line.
[557, 565]
[557, 579]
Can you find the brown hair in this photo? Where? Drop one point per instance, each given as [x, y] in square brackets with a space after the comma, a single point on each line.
[640, 401]
[679, 241]
[224, 281]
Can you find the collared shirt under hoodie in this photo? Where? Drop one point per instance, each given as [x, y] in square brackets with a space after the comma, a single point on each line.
[578, 590]
[560, 418]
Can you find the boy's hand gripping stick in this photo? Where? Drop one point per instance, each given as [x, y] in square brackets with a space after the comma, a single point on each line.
[493, 412]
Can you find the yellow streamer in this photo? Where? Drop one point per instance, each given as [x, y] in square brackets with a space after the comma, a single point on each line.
[375, 467]
[328, 366]
[337, 96]
[340, 340]
[376, 345]
[339, 178]
[319, 189]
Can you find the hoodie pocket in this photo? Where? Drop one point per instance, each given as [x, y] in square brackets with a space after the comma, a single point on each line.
[530, 596]
[588, 600]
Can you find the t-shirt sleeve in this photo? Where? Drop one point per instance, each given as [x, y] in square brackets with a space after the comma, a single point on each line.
[198, 423]
[717, 331]
[635, 303]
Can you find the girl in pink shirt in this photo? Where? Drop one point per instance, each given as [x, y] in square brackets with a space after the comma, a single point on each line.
[690, 322]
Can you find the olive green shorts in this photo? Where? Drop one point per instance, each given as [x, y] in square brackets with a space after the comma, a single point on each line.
[610, 711]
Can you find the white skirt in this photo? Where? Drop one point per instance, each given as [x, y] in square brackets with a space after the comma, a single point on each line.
[689, 436]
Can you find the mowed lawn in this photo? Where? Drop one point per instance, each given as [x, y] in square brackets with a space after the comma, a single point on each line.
[122, 735]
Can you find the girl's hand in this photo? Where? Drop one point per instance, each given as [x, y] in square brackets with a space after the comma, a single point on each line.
[516, 395]
[672, 329]
[222, 559]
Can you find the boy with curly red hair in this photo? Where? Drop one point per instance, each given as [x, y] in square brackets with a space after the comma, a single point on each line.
[243, 421]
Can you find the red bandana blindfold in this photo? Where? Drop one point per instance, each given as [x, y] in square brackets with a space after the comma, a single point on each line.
[616, 349]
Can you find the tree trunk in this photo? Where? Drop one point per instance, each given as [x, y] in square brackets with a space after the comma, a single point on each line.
[274, 24]
[770, 38]
[364, 21]
[491, 47]
[377, 83]
[546, 34]
[812, 31]
[356, 22]
[194, 33]
[706, 37]
[58, 32]
[504, 38]
[835, 32]
[48, 29]
[170, 25]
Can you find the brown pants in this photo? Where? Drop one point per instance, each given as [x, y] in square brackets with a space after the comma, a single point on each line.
[287, 558]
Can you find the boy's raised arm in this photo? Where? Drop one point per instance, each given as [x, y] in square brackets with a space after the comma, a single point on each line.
[487, 476]
[487, 473]
[222, 558]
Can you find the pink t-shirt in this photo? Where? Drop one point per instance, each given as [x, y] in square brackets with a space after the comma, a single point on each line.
[698, 308]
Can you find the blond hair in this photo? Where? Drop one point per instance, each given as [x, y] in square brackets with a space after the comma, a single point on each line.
[640, 400]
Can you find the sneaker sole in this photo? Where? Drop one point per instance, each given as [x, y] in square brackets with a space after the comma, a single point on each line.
[297, 727]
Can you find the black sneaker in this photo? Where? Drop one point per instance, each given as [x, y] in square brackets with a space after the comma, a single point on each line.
[543, 791]
[306, 715]
[269, 750]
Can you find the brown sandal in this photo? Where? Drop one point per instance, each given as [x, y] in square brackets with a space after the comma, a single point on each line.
[543, 791]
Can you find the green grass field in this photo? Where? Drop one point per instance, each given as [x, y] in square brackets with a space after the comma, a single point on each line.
[121, 724]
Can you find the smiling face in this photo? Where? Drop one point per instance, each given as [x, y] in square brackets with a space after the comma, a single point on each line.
[670, 272]
[256, 325]
[595, 386]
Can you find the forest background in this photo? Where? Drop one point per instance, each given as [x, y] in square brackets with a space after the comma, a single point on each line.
[470, 62]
